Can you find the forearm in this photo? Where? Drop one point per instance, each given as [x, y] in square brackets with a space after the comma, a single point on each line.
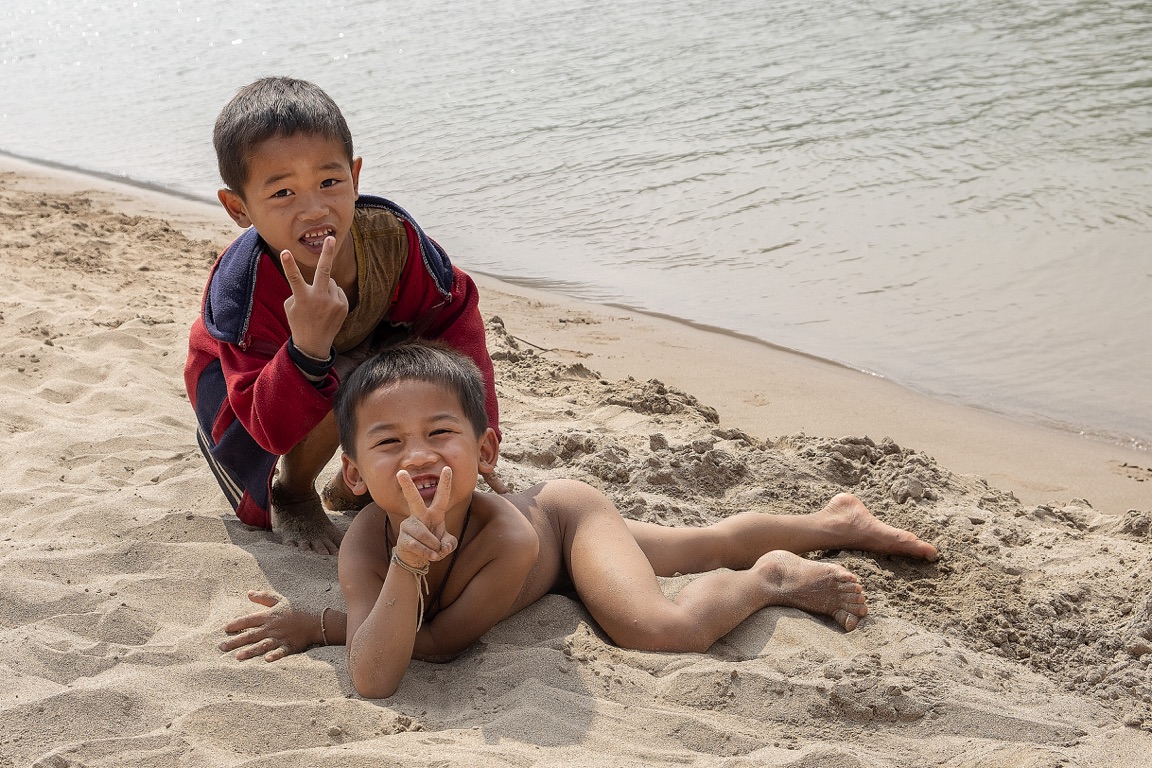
[260, 391]
[380, 650]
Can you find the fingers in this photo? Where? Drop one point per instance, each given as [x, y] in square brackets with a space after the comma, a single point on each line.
[323, 272]
[431, 514]
[416, 506]
[250, 621]
[416, 540]
[496, 483]
[276, 654]
[447, 546]
[265, 597]
[237, 641]
[443, 492]
[423, 533]
[255, 642]
[324, 263]
[270, 648]
[419, 549]
[292, 272]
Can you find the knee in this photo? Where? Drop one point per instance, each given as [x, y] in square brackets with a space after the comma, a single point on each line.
[667, 634]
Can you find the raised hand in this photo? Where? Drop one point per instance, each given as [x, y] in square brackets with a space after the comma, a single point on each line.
[315, 310]
[496, 483]
[423, 536]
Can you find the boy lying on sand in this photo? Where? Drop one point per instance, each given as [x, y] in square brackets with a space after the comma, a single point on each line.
[432, 564]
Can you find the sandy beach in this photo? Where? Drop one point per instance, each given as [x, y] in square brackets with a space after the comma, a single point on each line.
[1028, 644]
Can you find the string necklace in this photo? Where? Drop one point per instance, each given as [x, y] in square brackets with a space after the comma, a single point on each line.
[433, 608]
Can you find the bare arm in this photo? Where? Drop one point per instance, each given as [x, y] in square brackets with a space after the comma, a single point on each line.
[281, 630]
[383, 604]
[384, 590]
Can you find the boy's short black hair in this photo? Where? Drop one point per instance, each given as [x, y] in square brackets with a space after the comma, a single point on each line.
[411, 361]
[268, 108]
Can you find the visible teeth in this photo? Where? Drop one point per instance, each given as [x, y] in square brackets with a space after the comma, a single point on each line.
[316, 234]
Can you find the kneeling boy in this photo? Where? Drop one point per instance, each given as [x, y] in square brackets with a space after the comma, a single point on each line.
[323, 277]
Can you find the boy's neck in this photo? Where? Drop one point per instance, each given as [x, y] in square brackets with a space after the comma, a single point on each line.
[344, 272]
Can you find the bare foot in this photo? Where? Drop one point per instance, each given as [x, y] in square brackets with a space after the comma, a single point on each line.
[824, 588]
[338, 497]
[301, 522]
[856, 528]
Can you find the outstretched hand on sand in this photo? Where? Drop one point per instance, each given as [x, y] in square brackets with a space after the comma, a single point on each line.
[316, 309]
[274, 633]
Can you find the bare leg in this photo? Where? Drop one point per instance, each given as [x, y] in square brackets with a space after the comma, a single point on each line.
[824, 588]
[739, 541]
[618, 586]
[297, 515]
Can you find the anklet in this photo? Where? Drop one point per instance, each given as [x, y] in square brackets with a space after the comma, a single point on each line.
[323, 634]
[421, 575]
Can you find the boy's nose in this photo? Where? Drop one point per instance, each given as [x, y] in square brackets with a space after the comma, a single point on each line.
[313, 207]
[418, 457]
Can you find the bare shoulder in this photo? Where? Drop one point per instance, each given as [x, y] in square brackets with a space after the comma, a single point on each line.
[363, 558]
[504, 529]
[366, 532]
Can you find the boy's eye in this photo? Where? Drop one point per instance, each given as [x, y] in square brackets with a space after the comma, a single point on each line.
[329, 182]
[281, 193]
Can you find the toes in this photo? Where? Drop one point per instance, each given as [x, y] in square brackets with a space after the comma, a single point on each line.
[850, 619]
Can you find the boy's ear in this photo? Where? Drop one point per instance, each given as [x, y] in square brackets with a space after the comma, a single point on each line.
[357, 164]
[234, 204]
[352, 476]
[489, 451]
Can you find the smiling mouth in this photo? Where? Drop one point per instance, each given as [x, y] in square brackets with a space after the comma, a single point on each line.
[314, 238]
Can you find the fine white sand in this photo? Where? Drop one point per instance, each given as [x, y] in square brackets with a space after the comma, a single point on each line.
[1027, 644]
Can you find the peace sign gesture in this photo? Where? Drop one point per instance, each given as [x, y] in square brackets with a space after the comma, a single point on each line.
[315, 310]
[423, 536]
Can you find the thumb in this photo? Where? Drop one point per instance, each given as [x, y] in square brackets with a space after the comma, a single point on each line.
[265, 597]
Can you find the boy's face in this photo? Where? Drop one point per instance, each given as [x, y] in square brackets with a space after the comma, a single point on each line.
[300, 189]
[419, 427]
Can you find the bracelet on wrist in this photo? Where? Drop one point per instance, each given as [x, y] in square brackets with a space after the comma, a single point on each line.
[309, 365]
[421, 575]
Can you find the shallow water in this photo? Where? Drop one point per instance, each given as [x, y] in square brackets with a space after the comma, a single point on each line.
[953, 194]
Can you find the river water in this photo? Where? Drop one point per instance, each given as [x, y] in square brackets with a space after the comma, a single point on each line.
[954, 194]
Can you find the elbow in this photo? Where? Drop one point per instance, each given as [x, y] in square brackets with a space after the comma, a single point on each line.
[372, 680]
[374, 687]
